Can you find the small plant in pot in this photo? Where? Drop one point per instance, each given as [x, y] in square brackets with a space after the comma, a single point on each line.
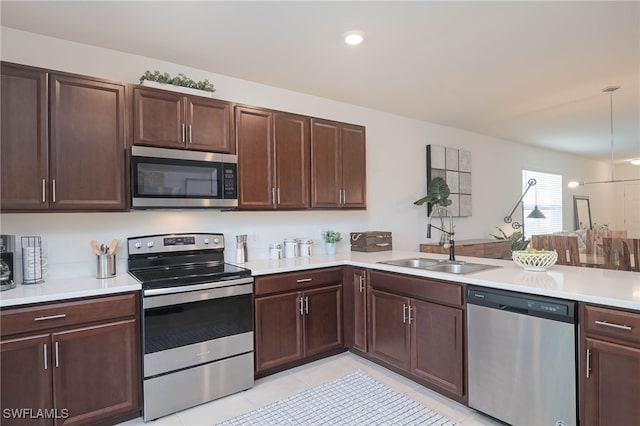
[437, 195]
[331, 238]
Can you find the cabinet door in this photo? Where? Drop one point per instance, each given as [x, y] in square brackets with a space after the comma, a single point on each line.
[390, 338]
[255, 158]
[323, 319]
[158, 118]
[25, 367]
[354, 173]
[292, 163]
[278, 330]
[209, 125]
[326, 171]
[359, 292]
[24, 171]
[436, 345]
[612, 388]
[96, 371]
[87, 144]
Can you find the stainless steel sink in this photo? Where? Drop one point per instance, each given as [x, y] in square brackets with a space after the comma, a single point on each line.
[461, 268]
[440, 265]
[416, 262]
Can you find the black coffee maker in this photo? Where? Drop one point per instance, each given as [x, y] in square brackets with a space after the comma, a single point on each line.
[7, 261]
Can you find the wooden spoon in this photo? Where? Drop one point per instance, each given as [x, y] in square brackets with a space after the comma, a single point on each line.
[95, 246]
[113, 246]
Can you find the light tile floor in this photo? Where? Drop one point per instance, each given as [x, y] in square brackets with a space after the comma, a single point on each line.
[287, 383]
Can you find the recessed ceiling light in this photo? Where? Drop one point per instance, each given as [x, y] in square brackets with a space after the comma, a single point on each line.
[353, 38]
[636, 162]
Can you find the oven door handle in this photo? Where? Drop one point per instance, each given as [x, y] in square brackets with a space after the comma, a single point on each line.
[196, 296]
[234, 280]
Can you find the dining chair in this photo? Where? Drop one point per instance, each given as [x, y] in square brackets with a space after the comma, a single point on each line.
[565, 246]
[596, 236]
[621, 253]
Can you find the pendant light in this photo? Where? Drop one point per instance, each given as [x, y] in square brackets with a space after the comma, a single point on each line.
[575, 184]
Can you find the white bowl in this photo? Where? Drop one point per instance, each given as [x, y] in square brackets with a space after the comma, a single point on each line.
[534, 261]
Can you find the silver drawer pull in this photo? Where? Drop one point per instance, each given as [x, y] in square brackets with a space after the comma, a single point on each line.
[50, 317]
[304, 280]
[203, 353]
[44, 356]
[610, 324]
[588, 362]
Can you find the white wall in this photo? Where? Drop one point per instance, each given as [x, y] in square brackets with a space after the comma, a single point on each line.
[395, 168]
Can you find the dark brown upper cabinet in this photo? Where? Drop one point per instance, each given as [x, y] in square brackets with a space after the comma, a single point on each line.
[175, 120]
[338, 165]
[273, 159]
[79, 165]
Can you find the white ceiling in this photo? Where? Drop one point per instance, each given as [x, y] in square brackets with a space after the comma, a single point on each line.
[530, 72]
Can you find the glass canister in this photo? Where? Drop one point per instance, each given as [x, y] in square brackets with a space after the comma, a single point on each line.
[304, 247]
[290, 247]
[275, 251]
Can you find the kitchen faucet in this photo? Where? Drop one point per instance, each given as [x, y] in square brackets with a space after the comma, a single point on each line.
[450, 233]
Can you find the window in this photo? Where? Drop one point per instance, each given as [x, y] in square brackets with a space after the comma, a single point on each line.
[547, 194]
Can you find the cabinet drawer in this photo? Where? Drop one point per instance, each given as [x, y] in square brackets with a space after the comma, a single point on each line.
[612, 323]
[54, 315]
[297, 280]
[420, 288]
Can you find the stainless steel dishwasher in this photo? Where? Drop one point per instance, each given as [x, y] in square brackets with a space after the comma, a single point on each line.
[522, 357]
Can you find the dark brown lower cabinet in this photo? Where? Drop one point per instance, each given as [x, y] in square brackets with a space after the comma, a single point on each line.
[69, 373]
[26, 382]
[610, 373]
[291, 326]
[359, 313]
[411, 331]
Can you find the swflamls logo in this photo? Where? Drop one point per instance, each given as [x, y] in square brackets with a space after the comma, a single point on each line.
[35, 413]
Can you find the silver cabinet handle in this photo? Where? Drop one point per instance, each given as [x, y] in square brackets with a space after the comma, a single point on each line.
[44, 356]
[410, 318]
[588, 362]
[301, 305]
[57, 360]
[278, 192]
[610, 324]
[404, 313]
[344, 196]
[190, 134]
[183, 138]
[44, 190]
[306, 305]
[273, 195]
[304, 280]
[50, 317]
[53, 193]
[361, 283]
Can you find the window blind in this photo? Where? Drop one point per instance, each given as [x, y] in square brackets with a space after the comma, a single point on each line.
[547, 194]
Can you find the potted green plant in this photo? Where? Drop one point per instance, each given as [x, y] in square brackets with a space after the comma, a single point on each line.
[331, 238]
[518, 241]
[437, 195]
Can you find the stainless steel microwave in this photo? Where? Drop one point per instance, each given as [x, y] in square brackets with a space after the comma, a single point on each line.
[176, 178]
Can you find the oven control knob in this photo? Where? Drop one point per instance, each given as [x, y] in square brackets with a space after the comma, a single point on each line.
[216, 240]
[150, 244]
[206, 241]
[138, 245]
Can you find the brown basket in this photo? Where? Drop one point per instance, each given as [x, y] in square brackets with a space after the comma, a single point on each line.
[370, 241]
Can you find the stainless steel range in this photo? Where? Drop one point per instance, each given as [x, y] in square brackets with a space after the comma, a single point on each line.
[197, 323]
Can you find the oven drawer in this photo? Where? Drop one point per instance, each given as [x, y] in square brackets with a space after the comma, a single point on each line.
[185, 388]
[297, 280]
[54, 315]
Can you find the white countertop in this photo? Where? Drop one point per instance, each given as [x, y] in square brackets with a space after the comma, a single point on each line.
[67, 288]
[600, 286]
